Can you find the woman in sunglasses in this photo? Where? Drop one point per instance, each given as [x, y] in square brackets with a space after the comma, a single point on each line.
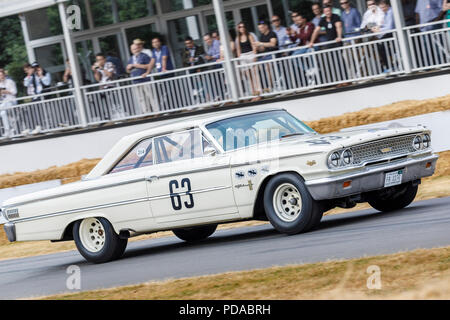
[246, 51]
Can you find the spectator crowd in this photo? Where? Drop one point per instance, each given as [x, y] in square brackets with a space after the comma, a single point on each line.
[327, 29]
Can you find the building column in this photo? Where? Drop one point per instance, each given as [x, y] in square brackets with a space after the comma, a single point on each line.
[225, 39]
[405, 52]
[76, 79]
[26, 38]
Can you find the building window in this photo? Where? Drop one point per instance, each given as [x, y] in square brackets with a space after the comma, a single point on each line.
[176, 5]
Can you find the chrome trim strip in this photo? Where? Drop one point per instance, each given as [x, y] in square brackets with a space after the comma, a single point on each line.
[111, 185]
[369, 170]
[114, 204]
[76, 192]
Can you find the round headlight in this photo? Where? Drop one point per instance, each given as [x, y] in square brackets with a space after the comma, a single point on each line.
[347, 156]
[335, 159]
[426, 141]
[417, 142]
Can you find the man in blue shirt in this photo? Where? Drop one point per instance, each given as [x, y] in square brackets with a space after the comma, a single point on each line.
[212, 47]
[351, 19]
[161, 54]
[138, 63]
[281, 32]
[387, 25]
[427, 11]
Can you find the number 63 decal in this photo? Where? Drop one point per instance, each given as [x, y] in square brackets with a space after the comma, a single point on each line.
[175, 197]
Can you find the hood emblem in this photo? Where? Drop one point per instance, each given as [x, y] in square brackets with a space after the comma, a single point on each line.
[386, 150]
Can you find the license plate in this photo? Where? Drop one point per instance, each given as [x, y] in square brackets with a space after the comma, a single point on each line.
[393, 178]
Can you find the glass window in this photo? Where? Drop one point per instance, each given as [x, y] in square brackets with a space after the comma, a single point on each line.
[176, 5]
[135, 9]
[140, 156]
[43, 23]
[146, 33]
[180, 146]
[243, 131]
[101, 12]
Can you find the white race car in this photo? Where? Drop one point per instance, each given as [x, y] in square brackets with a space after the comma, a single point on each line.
[188, 176]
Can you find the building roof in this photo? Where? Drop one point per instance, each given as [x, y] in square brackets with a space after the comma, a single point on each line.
[9, 7]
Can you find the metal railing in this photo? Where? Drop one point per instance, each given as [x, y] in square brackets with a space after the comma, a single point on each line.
[326, 64]
[164, 92]
[41, 113]
[360, 58]
[429, 48]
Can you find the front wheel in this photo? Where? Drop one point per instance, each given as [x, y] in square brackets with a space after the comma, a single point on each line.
[393, 199]
[289, 205]
[194, 234]
[97, 241]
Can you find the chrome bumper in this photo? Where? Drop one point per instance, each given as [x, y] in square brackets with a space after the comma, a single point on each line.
[10, 230]
[370, 178]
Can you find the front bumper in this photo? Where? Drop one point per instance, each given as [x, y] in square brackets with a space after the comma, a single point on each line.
[10, 230]
[370, 178]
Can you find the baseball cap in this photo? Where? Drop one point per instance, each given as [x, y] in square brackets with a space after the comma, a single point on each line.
[35, 65]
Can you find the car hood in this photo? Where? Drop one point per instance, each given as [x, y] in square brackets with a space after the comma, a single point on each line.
[344, 139]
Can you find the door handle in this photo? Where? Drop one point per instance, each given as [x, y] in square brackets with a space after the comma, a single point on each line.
[151, 178]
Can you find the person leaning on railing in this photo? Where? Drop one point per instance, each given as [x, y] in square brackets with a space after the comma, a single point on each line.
[36, 80]
[8, 92]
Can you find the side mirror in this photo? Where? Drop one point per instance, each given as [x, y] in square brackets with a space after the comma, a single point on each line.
[209, 151]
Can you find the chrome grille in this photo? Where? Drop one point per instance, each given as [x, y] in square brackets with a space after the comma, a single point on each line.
[381, 149]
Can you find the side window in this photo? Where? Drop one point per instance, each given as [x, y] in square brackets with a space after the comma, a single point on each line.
[140, 156]
[179, 146]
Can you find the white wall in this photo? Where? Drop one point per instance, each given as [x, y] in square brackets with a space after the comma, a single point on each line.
[41, 154]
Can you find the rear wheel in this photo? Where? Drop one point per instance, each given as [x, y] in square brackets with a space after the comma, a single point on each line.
[97, 241]
[194, 234]
[289, 205]
[393, 199]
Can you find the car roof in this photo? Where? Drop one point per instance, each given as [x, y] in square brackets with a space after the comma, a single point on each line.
[167, 126]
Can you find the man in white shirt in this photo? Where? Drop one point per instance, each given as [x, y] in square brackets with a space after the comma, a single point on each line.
[373, 17]
[8, 92]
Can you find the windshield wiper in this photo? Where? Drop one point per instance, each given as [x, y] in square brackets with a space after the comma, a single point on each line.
[292, 134]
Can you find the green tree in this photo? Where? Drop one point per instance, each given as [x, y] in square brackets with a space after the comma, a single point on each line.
[13, 53]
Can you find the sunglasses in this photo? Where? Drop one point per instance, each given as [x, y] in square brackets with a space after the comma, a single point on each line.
[275, 20]
[241, 27]
[345, 2]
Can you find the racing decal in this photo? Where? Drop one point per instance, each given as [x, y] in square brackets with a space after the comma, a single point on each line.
[239, 174]
[252, 172]
[175, 197]
[140, 152]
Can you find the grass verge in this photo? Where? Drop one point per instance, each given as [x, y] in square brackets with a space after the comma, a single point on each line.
[418, 274]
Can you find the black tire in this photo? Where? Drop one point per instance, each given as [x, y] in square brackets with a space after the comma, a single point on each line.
[195, 234]
[400, 198]
[304, 218]
[113, 247]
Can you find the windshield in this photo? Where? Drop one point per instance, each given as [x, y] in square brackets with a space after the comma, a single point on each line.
[243, 131]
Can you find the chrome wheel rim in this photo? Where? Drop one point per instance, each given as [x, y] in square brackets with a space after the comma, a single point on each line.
[92, 234]
[287, 202]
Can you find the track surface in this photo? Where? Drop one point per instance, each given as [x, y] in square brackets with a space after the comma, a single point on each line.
[424, 224]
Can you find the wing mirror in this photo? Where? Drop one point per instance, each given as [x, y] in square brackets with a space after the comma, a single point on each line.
[209, 151]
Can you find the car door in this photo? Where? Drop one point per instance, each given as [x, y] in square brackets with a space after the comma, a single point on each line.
[186, 186]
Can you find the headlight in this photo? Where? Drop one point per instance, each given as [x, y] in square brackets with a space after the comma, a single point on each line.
[426, 141]
[335, 159]
[417, 142]
[347, 157]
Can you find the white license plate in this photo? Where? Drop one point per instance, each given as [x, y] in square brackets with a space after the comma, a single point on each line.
[393, 178]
